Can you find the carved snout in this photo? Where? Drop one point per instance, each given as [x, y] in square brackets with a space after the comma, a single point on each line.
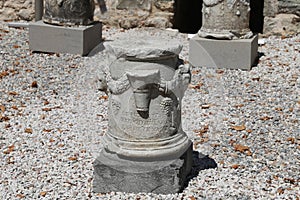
[143, 82]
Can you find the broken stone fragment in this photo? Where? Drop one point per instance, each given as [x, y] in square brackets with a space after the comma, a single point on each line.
[69, 12]
[225, 19]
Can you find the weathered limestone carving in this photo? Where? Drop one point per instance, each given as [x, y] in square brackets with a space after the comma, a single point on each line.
[146, 84]
[69, 12]
[226, 19]
[152, 111]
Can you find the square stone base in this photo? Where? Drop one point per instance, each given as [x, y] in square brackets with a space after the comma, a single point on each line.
[231, 54]
[112, 173]
[63, 39]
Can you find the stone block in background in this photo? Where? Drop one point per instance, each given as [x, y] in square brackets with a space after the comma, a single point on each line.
[231, 54]
[63, 39]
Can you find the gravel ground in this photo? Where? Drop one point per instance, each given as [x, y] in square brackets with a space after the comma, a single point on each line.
[52, 118]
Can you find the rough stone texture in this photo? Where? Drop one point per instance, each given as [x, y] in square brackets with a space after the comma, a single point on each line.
[282, 25]
[114, 174]
[56, 158]
[143, 47]
[270, 8]
[16, 10]
[135, 14]
[133, 17]
[147, 82]
[225, 19]
[289, 6]
[59, 39]
[147, 150]
[231, 54]
[129, 4]
[131, 14]
[69, 12]
[25, 14]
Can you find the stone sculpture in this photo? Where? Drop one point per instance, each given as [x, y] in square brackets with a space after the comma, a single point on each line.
[67, 27]
[145, 148]
[225, 39]
[69, 12]
[226, 19]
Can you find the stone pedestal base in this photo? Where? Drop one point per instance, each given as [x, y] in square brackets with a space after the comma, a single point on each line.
[61, 39]
[231, 54]
[112, 173]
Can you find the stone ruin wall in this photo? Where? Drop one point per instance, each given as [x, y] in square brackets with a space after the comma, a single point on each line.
[152, 13]
[159, 14]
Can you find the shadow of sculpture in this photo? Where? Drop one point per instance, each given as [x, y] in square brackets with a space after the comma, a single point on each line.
[200, 162]
[100, 47]
[259, 55]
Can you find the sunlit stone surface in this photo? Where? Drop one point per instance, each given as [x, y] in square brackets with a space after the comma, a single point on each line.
[145, 148]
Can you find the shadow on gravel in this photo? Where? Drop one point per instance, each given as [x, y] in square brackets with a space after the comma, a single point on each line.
[200, 162]
[259, 55]
[100, 47]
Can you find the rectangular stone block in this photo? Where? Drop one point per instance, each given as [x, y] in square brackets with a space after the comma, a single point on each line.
[62, 39]
[112, 173]
[231, 54]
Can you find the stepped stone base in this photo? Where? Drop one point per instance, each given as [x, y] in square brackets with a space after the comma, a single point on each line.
[62, 39]
[112, 173]
[231, 54]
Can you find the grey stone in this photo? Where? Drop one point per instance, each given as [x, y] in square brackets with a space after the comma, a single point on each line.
[133, 4]
[143, 47]
[129, 22]
[232, 54]
[281, 24]
[61, 39]
[144, 148]
[144, 109]
[270, 8]
[225, 19]
[159, 22]
[289, 6]
[26, 14]
[165, 5]
[112, 173]
[70, 12]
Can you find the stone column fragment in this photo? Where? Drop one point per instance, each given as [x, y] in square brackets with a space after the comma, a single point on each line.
[225, 39]
[226, 19]
[67, 27]
[69, 12]
[145, 148]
